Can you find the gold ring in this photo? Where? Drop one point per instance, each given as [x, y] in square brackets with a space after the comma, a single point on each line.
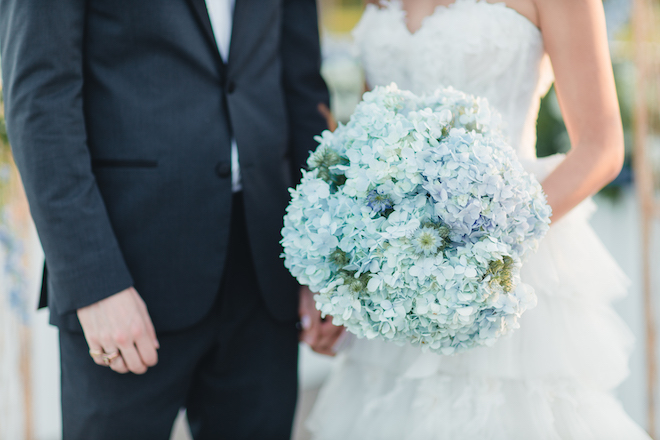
[95, 353]
[108, 358]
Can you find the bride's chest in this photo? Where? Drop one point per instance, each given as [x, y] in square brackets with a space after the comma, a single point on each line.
[465, 43]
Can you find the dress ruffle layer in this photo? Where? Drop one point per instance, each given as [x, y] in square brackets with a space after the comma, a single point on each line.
[465, 407]
[550, 379]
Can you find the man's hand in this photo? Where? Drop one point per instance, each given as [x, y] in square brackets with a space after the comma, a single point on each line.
[320, 335]
[120, 333]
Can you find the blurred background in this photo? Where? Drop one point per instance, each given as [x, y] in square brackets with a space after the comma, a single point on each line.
[627, 221]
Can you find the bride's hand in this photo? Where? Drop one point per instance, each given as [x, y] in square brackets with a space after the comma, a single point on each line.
[321, 335]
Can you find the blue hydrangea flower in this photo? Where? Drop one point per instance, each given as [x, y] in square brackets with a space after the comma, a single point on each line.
[378, 201]
[413, 222]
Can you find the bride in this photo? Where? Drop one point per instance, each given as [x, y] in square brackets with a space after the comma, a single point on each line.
[551, 379]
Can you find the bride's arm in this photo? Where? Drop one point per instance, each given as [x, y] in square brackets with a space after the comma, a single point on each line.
[576, 40]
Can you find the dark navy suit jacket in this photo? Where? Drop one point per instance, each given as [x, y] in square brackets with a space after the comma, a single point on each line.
[120, 114]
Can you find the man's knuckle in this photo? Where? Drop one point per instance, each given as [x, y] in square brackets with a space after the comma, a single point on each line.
[137, 331]
[120, 337]
[105, 338]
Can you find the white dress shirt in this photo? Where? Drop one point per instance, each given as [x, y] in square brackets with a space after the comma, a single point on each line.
[221, 13]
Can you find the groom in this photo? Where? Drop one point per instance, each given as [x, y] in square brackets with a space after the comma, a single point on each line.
[156, 141]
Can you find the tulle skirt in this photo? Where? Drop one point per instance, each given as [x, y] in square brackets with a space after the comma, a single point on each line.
[549, 380]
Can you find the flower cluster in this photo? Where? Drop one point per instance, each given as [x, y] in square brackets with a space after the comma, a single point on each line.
[412, 222]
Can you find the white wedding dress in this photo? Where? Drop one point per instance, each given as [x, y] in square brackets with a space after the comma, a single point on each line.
[552, 378]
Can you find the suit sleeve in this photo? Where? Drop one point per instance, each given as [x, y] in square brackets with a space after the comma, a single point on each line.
[303, 85]
[41, 45]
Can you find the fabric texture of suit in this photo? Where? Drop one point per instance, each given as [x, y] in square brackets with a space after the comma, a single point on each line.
[234, 371]
[121, 115]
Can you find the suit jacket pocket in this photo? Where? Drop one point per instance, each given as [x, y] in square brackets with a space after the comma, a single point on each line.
[123, 163]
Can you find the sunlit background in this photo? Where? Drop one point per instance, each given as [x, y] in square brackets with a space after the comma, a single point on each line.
[627, 222]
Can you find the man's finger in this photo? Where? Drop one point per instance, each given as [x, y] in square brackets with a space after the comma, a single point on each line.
[132, 360]
[146, 350]
[119, 366]
[112, 357]
[96, 352]
[149, 325]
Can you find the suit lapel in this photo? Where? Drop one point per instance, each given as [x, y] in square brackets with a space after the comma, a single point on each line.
[240, 15]
[202, 16]
[252, 21]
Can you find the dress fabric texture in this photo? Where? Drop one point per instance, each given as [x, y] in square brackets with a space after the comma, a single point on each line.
[552, 378]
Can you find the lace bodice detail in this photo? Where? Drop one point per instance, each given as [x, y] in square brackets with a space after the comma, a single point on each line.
[481, 48]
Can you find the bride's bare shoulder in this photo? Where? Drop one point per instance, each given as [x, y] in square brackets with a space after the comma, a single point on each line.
[556, 14]
[559, 4]
[526, 8]
[373, 2]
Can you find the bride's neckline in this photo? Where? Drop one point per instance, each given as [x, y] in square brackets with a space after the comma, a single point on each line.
[439, 9]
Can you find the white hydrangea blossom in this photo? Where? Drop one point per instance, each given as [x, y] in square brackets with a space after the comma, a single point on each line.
[413, 222]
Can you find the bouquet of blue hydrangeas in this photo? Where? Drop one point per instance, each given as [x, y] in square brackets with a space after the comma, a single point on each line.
[412, 222]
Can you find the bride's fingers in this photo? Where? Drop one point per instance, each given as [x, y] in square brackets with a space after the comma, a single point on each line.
[340, 342]
[310, 335]
[311, 322]
[327, 338]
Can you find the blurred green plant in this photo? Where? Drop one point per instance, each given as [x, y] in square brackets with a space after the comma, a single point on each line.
[6, 160]
[4, 142]
[349, 3]
[13, 271]
[552, 136]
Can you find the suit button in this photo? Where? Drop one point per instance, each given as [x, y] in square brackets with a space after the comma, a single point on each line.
[223, 169]
[231, 87]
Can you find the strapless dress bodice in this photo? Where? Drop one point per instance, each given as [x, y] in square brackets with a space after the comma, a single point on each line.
[484, 49]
